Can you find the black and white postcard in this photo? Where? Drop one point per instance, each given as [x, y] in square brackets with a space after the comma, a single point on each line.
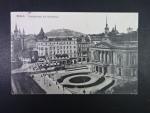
[74, 53]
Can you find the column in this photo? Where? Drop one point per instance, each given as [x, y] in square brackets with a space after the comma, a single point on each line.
[92, 55]
[108, 60]
[102, 70]
[100, 56]
[112, 57]
[97, 55]
[104, 57]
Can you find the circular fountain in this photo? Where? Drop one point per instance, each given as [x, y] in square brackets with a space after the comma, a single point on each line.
[80, 79]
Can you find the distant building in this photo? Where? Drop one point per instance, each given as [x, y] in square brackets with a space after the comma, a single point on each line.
[84, 43]
[17, 43]
[25, 56]
[106, 36]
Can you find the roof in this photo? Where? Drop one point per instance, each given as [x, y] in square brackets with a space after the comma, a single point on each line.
[58, 39]
[106, 45]
[83, 39]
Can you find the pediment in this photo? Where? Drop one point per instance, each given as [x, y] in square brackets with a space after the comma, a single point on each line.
[102, 46]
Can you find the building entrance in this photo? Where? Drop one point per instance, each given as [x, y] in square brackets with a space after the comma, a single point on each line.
[100, 69]
[105, 70]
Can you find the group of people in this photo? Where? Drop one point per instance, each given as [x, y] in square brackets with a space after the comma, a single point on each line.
[54, 81]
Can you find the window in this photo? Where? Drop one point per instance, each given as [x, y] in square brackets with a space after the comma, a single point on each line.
[79, 60]
[119, 71]
[83, 59]
[133, 60]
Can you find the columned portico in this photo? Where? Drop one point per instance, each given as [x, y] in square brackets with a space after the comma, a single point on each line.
[105, 57]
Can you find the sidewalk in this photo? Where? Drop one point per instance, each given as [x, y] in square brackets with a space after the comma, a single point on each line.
[50, 85]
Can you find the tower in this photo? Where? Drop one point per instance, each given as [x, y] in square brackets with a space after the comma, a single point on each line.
[23, 32]
[41, 35]
[115, 28]
[22, 39]
[16, 31]
[106, 28]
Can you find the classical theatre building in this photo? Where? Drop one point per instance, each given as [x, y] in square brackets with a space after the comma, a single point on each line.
[114, 59]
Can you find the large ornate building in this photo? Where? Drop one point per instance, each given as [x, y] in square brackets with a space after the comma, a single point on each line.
[114, 59]
[115, 54]
[59, 49]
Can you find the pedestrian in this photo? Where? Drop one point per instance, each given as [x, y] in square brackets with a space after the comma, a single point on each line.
[84, 91]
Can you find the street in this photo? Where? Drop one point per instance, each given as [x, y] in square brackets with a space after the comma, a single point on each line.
[22, 83]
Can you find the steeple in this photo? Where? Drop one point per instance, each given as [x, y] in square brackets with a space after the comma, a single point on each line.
[41, 34]
[19, 32]
[106, 28]
[23, 32]
[115, 28]
[16, 28]
[106, 22]
[41, 31]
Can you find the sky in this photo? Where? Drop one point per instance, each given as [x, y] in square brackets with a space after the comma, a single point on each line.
[85, 22]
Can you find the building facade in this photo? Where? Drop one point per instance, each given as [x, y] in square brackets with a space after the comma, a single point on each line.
[61, 49]
[84, 43]
[113, 59]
